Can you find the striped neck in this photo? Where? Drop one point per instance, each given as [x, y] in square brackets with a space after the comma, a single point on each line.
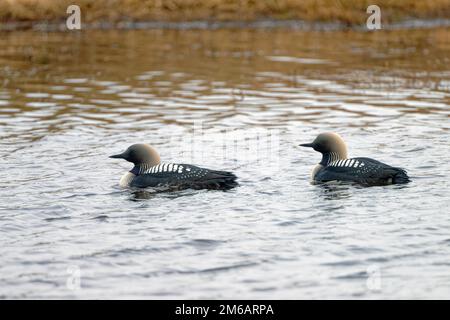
[330, 157]
[142, 168]
[146, 168]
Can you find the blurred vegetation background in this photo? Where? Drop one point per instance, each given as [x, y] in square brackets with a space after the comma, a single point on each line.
[350, 12]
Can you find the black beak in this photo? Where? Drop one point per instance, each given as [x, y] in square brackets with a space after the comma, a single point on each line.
[118, 156]
[309, 145]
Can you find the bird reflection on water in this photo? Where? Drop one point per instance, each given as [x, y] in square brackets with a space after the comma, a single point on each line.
[335, 190]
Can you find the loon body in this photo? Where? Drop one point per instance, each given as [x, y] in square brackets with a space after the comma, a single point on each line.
[336, 166]
[148, 171]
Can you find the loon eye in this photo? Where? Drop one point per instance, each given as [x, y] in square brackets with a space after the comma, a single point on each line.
[320, 146]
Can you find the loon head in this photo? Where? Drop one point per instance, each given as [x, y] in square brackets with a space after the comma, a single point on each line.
[140, 154]
[331, 145]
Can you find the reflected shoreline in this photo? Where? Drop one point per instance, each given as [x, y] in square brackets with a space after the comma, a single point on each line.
[303, 25]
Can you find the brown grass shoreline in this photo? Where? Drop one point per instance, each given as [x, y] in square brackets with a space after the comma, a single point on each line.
[27, 13]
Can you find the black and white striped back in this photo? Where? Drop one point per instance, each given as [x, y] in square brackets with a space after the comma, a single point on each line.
[182, 176]
[361, 170]
[349, 163]
[160, 168]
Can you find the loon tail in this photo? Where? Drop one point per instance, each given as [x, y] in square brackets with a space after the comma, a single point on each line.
[216, 180]
[400, 176]
[222, 180]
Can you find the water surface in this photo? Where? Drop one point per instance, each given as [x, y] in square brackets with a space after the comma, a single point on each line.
[239, 100]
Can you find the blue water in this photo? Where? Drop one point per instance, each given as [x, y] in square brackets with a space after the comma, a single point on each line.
[239, 100]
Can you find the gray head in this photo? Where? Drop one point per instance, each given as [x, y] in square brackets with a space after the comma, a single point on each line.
[139, 154]
[327, 143]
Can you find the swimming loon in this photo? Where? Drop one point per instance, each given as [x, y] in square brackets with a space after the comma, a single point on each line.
[335, 166]
[148, 171]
